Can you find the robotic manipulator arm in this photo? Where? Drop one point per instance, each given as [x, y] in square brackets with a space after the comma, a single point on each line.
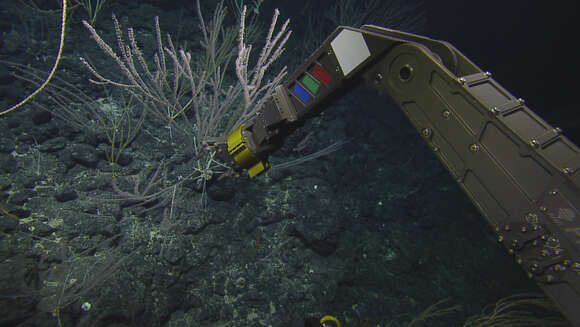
[521, 173]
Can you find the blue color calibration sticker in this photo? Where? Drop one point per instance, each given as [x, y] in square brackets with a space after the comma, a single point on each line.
[301, 93]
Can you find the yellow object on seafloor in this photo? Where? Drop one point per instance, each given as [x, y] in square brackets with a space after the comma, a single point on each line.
[325, 319]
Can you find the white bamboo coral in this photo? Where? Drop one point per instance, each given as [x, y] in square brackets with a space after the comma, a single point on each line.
[254, 92]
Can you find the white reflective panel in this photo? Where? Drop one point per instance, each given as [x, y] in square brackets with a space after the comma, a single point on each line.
[350, 49]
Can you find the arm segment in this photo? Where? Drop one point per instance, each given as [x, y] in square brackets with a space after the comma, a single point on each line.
[520, 172]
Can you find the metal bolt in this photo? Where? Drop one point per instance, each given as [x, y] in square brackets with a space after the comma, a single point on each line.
[524, 229]
[566, 262]
[446, 114]
[567, 171]
[500, 238]
[426, 132]
[543, 209]
[531, 218]
[474, 147]
[533, 143]
[553, 193]
[545, 253]
[329, 52]
[559, 267]
[378, 78]
[461, 80]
